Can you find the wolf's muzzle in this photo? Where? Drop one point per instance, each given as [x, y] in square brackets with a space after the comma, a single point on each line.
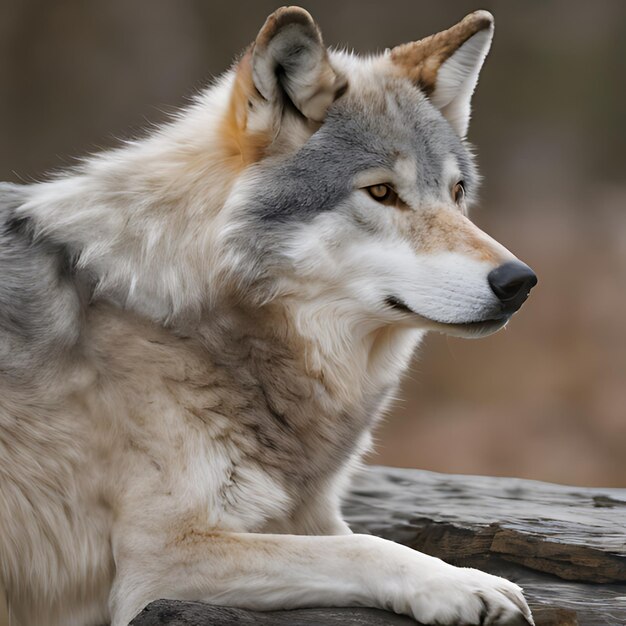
[512, 283]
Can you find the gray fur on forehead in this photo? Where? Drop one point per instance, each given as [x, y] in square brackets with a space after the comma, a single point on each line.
[361, 132]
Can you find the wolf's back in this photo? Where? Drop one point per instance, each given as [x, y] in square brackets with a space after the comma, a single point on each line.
[39, 304]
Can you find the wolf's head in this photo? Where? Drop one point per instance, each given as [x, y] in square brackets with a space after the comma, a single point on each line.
[334, 183]
[357, 179]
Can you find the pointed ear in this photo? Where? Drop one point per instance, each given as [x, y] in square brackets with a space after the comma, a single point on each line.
[289, 60]
[446, 65]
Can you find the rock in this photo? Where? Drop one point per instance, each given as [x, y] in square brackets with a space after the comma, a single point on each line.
[176, 613]
[566, 546]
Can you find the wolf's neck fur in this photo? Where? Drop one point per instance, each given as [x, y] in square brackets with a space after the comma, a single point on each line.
[144, 220]
[147, 224]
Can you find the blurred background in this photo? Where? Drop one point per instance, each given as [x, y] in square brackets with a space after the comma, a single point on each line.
[544, 399]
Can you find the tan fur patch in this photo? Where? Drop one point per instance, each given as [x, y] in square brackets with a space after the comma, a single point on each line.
[420, 60]
[242, 146]
[446, 230]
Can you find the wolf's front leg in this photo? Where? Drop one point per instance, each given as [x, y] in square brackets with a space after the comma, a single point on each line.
[265, 572]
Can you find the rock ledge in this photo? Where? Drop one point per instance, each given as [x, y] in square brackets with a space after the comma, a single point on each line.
[566, 546]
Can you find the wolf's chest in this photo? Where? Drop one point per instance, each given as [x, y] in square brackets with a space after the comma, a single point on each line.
[293, 439]
[240, 428]
[253, 455]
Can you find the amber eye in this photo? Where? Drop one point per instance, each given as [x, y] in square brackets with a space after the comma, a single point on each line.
[382, 193]
[458, 192]
[379, 192]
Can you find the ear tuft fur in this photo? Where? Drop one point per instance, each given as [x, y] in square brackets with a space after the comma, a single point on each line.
[289, 59]
[446, 65]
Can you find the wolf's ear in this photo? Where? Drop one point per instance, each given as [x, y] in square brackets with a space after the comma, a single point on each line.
[446, 65]
[289, 60]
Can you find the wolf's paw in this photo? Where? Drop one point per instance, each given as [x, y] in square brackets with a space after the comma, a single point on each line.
[469, 596]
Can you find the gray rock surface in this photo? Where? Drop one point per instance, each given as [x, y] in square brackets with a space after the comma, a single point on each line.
[175, 613]
[565, 545]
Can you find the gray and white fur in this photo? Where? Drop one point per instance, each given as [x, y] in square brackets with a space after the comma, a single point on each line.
[199, 330]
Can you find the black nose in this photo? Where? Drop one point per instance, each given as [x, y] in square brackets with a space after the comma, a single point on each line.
[512, 283]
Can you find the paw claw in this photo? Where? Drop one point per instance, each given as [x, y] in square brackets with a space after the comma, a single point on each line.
[470, 596]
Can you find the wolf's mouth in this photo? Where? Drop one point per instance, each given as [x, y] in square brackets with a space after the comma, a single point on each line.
[396, 303]
[468, 330]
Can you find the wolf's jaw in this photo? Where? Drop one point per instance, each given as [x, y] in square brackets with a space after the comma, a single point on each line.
[472, 330]
[467, 330]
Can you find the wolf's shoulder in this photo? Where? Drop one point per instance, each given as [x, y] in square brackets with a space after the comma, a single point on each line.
[39, 302]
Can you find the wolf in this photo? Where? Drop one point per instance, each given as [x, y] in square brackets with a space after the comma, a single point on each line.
[200, 329]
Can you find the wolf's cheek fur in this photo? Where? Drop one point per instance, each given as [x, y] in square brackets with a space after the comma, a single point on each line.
[435, 262]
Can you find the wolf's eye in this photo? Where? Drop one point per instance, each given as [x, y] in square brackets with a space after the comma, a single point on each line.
[379, 192]
[458, 192]
[382, 193]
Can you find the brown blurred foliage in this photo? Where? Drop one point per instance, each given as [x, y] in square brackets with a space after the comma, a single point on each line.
[546, 398]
